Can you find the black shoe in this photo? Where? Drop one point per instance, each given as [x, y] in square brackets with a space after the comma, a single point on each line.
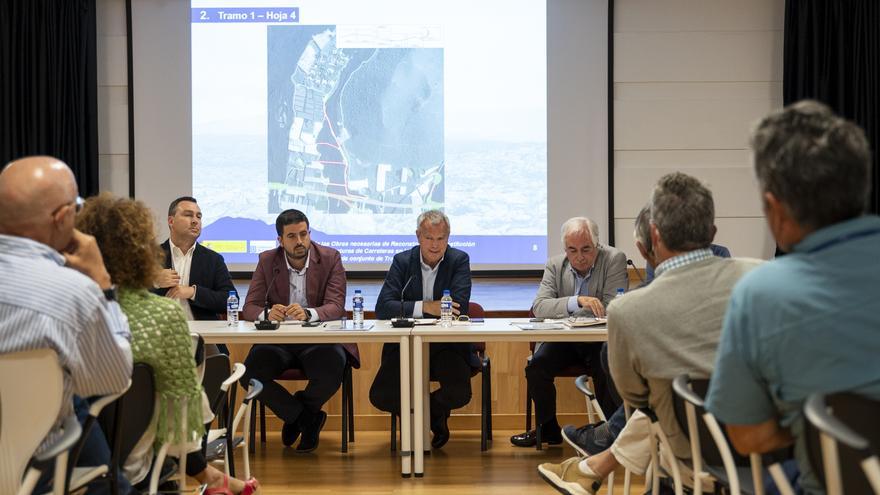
[290, 432]
[440, 429]
[311, 424]
[530, 438]
[589, 439]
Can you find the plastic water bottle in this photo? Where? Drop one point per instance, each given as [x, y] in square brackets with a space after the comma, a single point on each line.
[232, 309]
[357, 308]
[446, 309]
[620, 293]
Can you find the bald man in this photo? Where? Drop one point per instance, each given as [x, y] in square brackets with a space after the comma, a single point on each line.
[56, 293]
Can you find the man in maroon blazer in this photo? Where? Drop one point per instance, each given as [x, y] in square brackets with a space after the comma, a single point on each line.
[299, 280]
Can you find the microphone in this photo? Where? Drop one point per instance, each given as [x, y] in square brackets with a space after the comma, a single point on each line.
[638, 273]
[403, 321]
[266, 323]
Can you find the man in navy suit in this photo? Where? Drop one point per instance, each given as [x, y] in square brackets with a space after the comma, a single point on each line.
[413, 287]
[193, 274]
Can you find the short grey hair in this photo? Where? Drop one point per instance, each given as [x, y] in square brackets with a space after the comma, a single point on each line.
[642, 231]
[816, 163]
[683, 211]
[432, 217]
[578, 225]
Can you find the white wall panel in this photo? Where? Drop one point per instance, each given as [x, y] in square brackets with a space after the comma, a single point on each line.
[697, 15]
[698, 56]
[113, 174]
[112, 120]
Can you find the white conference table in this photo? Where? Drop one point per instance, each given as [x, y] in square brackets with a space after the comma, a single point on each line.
[492, 329]
[215, 332]
[413, 341]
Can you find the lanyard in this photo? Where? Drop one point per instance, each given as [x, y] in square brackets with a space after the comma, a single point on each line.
[843, 238]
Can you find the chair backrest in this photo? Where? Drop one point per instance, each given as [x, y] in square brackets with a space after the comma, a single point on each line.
[475, 310]
[31, 384]
[216, 372]
[135, 408]
[848, 418]
[708, 448]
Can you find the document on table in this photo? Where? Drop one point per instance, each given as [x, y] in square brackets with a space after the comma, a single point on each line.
[292, 322]
[545, 325]
[584, 321]
[427, 321]
[346, 326]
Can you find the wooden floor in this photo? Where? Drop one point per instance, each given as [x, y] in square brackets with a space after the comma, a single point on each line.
[370, 468]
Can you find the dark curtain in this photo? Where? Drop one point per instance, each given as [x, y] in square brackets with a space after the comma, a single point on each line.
[832, 54]
[48, 84]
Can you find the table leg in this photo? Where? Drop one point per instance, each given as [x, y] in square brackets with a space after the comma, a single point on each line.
[418, 413]
[426, 397]
[406, 447]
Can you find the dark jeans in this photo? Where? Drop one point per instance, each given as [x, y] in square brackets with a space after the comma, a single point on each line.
[448, 366]
[323, 365]
[549, 361]
[95, 452]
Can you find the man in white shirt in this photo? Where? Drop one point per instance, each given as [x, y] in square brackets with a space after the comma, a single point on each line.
[194, 275]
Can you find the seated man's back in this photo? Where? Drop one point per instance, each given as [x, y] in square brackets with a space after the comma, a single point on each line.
[670, 327]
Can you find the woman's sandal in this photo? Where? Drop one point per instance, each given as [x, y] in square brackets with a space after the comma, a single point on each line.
[250, 487]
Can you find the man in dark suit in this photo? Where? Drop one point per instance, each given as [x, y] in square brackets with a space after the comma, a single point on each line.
[193, 274]
[413, 287]
[299, 280]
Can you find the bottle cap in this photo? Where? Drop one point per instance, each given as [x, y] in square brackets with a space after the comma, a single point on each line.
[445, 292]
[232, 293]
[357, 291]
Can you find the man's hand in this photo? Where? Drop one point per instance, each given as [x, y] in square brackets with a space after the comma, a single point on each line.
[433, 308]
[296, 312]
[168, 278]
[278, 312]
[84, 256]
[592, 304]
[180, 292]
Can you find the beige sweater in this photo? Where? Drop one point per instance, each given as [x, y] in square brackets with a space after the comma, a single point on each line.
[670, 327]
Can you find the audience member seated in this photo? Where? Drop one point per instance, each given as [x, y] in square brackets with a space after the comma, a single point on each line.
[580, 282]
[57, 293]
[808, 321]
[413, 287]
[160, 337]
[593, 438]
[656, 333]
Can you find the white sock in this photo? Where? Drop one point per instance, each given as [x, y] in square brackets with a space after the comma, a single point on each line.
[587, 470]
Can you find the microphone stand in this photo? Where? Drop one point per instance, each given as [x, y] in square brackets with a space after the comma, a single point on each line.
[266, 323]
[403, 321]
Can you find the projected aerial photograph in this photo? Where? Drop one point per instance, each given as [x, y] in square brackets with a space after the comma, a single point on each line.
[354, 129]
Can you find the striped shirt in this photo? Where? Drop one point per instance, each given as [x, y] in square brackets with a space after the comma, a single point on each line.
[684, 260]
[43, 304]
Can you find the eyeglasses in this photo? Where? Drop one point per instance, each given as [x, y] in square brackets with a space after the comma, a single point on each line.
[462, 318]
[77, 203]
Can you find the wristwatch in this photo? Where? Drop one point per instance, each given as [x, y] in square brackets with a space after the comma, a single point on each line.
[110, 293]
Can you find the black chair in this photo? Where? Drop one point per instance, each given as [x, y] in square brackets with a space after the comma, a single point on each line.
[347, 406]
[710, 447]
[475, 310]
[127, 419]
[842, 434]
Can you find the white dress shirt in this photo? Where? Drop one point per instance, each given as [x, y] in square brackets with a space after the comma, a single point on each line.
[297, 281]
[429, 276]
[181, 262]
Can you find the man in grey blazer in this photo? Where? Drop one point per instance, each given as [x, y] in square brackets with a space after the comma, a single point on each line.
[580, 282]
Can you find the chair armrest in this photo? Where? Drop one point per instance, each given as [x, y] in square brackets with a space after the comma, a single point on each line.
[255, 388]
[816, 413]
[72, 430]
[238, 370]
[581, 384]
[96, 407]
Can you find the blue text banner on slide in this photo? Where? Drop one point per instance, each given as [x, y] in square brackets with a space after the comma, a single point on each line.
[365, 114]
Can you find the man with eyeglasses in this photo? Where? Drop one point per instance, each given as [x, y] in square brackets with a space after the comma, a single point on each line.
[56, 293]
[299, 280]
[580, 282]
